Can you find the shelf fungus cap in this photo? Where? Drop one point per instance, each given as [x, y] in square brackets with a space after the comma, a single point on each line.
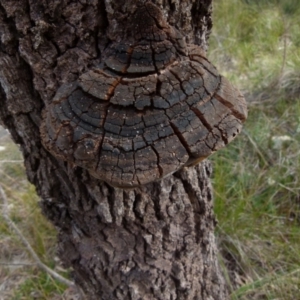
[153, 107]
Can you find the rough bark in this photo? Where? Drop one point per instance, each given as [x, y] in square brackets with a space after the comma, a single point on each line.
[151, 242]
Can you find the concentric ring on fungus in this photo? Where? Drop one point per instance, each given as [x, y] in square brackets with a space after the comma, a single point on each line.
[154, 106]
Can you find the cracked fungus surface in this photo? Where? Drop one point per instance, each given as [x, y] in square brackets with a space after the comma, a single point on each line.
[153, 106]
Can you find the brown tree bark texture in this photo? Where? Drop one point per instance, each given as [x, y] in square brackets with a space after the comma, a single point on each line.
[151, 242]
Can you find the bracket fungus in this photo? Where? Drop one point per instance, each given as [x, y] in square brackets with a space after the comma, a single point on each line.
[154, 105]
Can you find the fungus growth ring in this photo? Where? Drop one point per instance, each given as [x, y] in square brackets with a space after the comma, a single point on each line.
[153, 106]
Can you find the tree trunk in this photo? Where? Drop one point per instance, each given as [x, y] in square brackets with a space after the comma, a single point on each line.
[151, 242]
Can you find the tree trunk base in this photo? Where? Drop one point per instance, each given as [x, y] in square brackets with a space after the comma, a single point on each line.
[152, 242]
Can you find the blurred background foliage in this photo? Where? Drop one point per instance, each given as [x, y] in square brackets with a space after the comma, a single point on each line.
[255, 44]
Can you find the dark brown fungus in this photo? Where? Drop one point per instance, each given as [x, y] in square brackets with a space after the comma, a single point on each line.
[154, 106]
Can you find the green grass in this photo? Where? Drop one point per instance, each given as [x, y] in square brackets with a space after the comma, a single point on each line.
[256, 178]
[19, 274]
[252, 43]
[38, 286]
